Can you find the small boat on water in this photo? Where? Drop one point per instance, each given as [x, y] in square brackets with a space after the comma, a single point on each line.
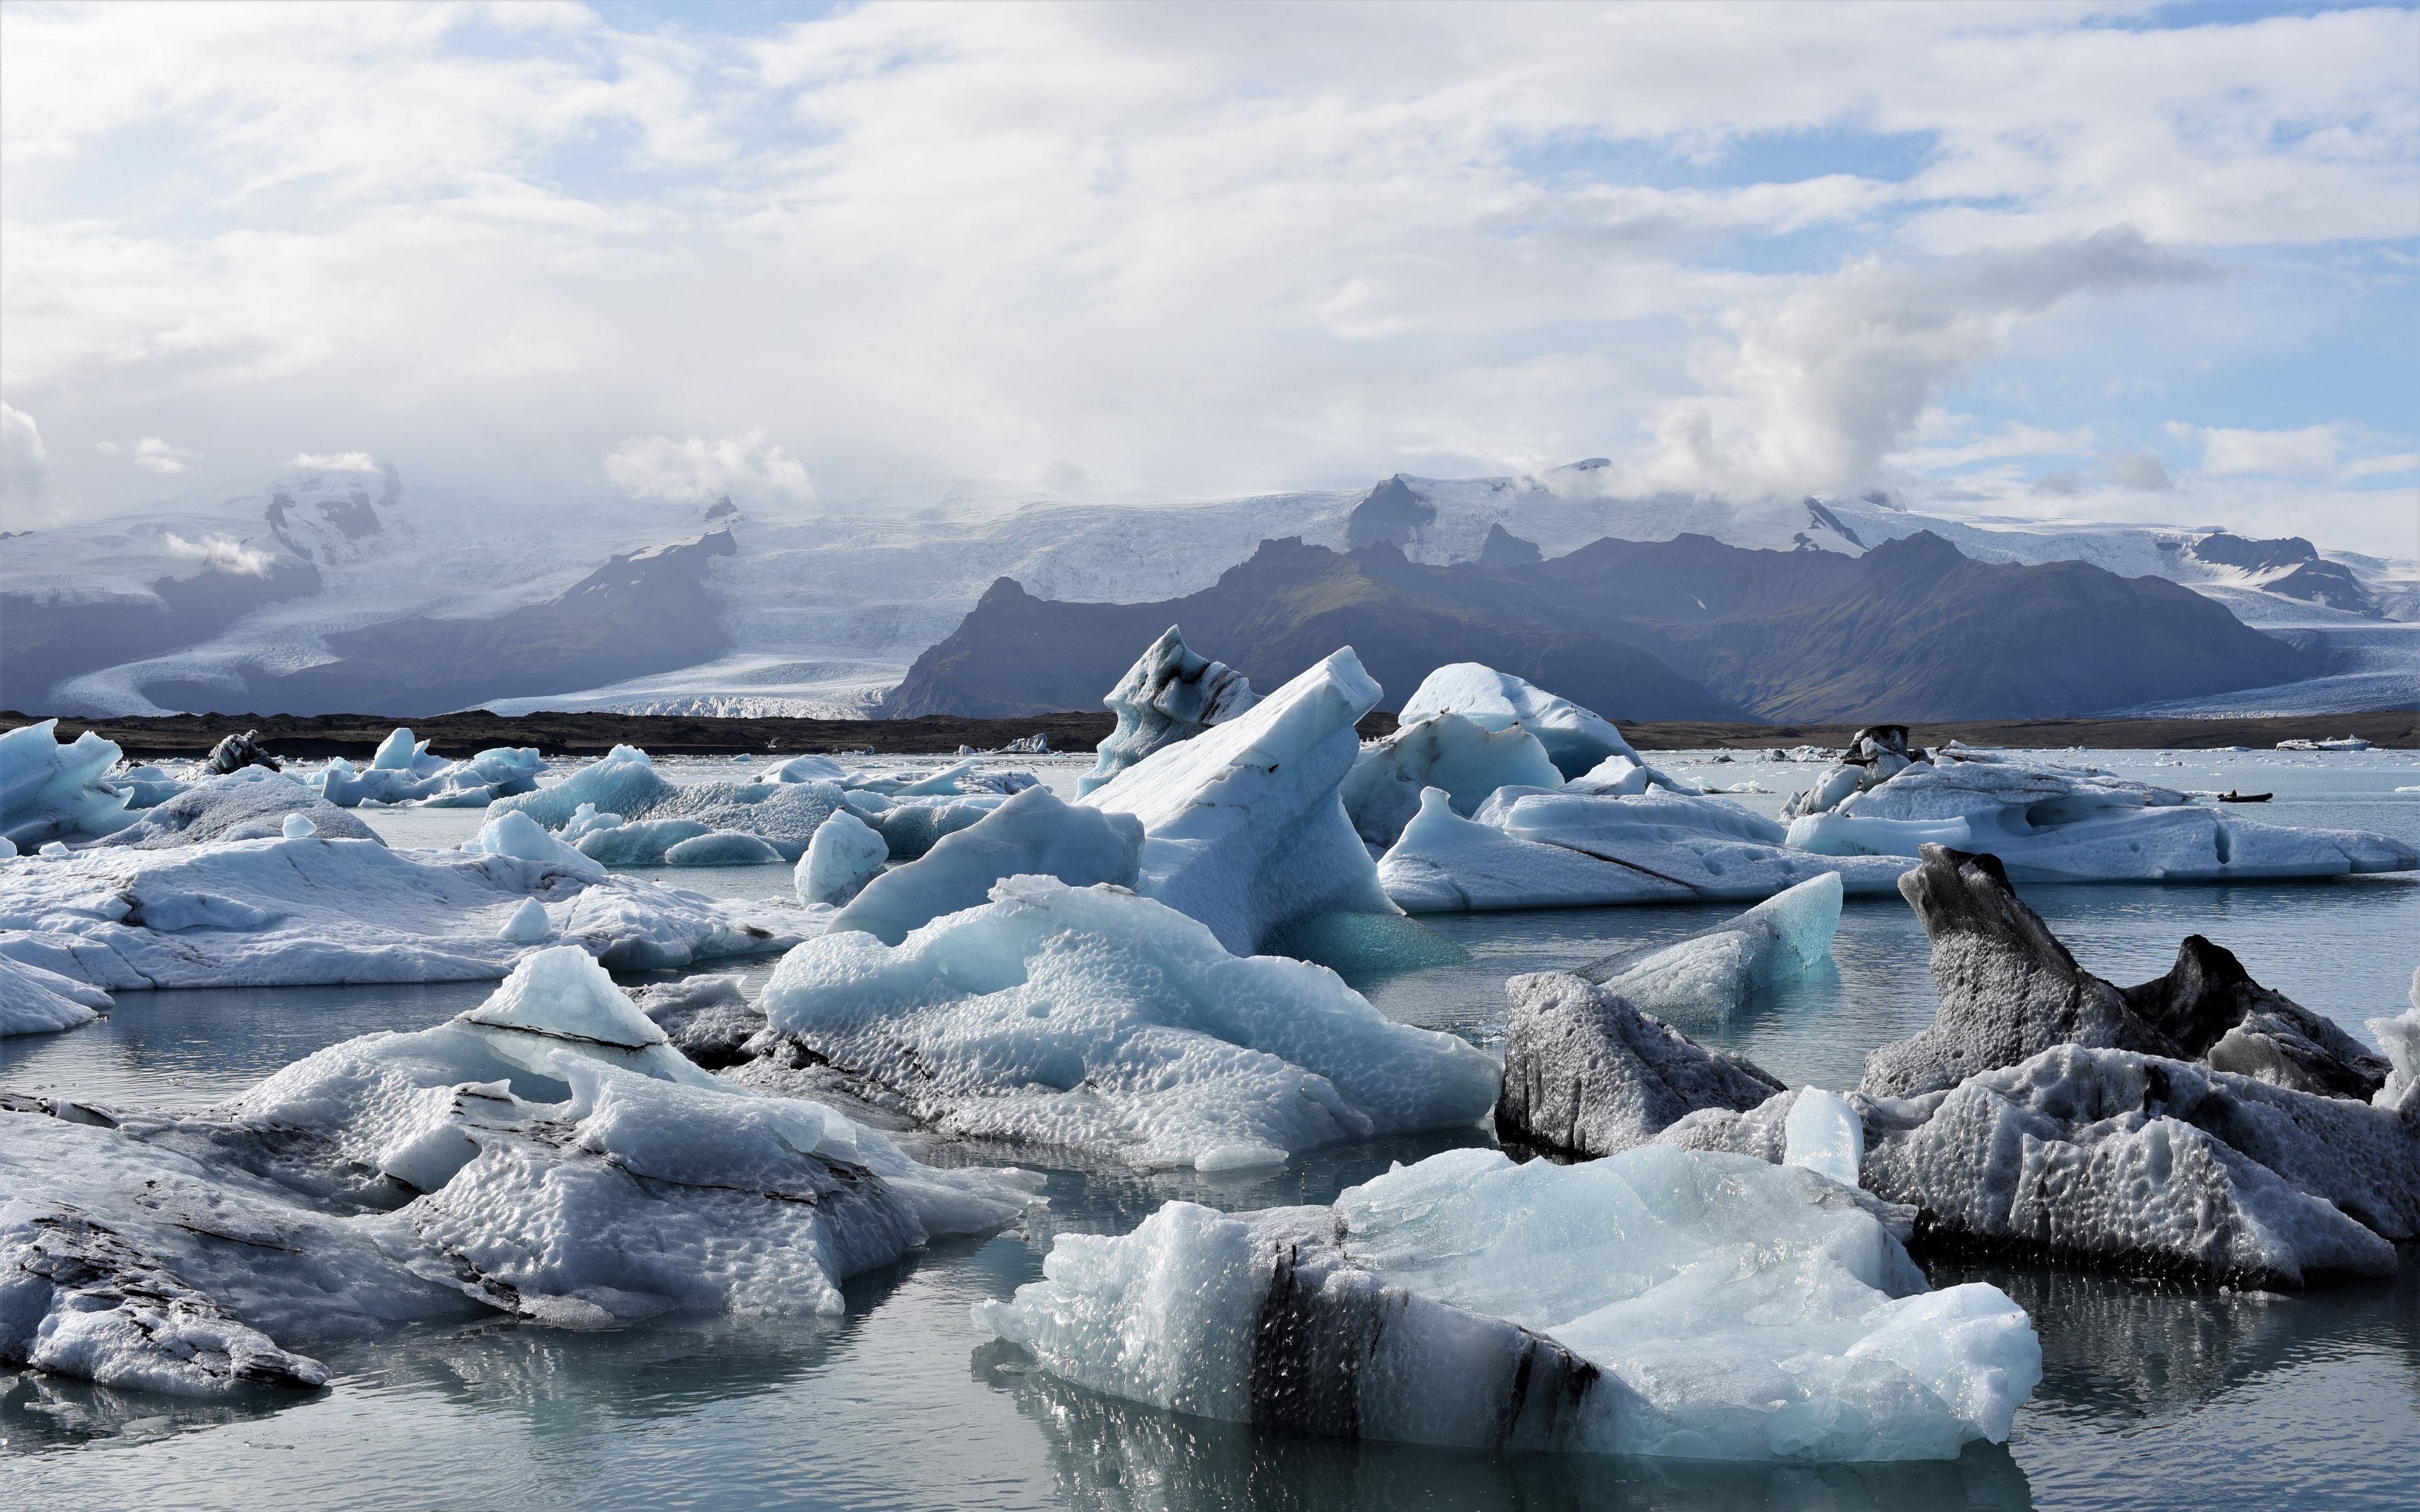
[2230, 795]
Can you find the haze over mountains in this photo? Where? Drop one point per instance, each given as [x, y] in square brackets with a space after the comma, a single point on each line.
[347, 593]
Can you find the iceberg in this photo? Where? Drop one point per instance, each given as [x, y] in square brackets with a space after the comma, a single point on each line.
[2057, 823]
[1242, 826]
[147, 785]
[1659, 1301]
[1032, 834]
[624, 783]
[284, 912]
[1167, 695]
[1575, 739]
[1464, 760]
[1092, 1019]
[1587, 1075]
[51, 791]
[1719, 969]
[2399, 1037]
[913, 825]
[721, 847]
[1534, 848]
[252, 803]
[707, 1018]
[36, 1001]
[233, 753]
[404, 772]
[2010, 989]
[548, 1156]
[845, 855]
[804, 769]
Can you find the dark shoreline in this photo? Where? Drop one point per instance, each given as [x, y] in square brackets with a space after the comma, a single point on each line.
[593, 734]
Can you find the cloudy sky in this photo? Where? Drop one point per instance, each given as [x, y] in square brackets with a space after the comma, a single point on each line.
[2099, 261]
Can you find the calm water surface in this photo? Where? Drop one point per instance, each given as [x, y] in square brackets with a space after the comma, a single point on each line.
[2154, 1396]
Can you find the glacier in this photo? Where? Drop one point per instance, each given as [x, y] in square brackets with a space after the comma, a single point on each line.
[547, 1156]
[1095, 1020]
[1170, 694]
[1660, 1301]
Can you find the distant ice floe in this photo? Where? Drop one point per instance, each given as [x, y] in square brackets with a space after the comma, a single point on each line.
[1661, 1301]
[402, 771]
[547, 1156]
[1094, 1020]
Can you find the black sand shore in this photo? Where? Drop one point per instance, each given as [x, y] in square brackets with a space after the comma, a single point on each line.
[592, 734]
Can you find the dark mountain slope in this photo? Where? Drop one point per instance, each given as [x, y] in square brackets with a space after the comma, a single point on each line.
[45, 640]
[1272, 616]
[1911, 630]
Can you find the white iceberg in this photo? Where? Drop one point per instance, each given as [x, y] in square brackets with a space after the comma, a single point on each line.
[1167, 695]
[1576, 739]
[845, 855]
[50, 791]
[2057, 824]
[804, 769]
[36, 1001]
[1466, 761]
[1032, 834]
[1719, 969]
[1243, 828]
[295, 912]
[626, 784]
[547, 1156]
[1659, 1301]
[1096, 1020]
[2399, 1037]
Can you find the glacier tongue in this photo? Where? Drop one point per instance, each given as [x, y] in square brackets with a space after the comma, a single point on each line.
[1659, 1301]
[1243, 828]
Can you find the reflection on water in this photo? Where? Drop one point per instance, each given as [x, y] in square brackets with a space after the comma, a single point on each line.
[2152, 1397]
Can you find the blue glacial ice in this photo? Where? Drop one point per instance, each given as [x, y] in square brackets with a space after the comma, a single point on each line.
[1719, 969]
[845, 855]
[1464, 760]
[1167, 695]
[51, 791]
[1031, 834]
[1577, 740]
[1659, 1301]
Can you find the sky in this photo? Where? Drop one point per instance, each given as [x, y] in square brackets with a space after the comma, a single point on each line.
[2093, 262]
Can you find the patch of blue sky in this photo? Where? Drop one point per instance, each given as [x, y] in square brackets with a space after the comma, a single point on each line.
[2189, 13]
[725, 17]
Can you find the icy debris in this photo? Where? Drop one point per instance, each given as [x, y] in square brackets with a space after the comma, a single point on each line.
[404, 772]
[845, 855]
[1586, 1073]
[298, 826]
[1093, 1019]
[1036, 743]
[50, 791]
[528, 925]
[236, 752]
[2339, 742]
[1660, 1301]
[293, 912]
[2399, 1037]
[1575, 739]
[707, 1018]
[253, 804]
[1719, 969]
[1032, 834]
[1466, 761]
[547, 1156]
[2009, 989]
[36, 1001]
[721, 847]
[1243, 828]
[624, 784]
[1167, 695]
[147, 785]
[2058, 824]
[55, 848]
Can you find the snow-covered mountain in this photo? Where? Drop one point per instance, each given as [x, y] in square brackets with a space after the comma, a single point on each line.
[235, 602]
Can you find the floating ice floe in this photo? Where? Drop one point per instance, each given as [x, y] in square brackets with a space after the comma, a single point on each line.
[1657, 1302]
[50, 791]
[404, 772]
[1096, 1020]
[547, 1156]
[1575, 739]
[625, 788]
[295, 912]
[1531, 848]
[804, 769]
[253, 803]
[36, 1001]
[1458, 757]
[1717, 970]
[1032, 834]
[1243, 828]
[2339, 742]
[2058, 824]
[1167, 695]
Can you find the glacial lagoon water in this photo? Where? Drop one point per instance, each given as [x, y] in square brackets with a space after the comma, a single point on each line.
[2154, 1396]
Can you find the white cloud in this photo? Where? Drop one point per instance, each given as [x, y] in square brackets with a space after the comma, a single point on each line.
[220, 553]
[152, 454]
[2139, 471]
[2380, 467]
[2307, 453]
[24, 463]
[744, 467]
[336, 461]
